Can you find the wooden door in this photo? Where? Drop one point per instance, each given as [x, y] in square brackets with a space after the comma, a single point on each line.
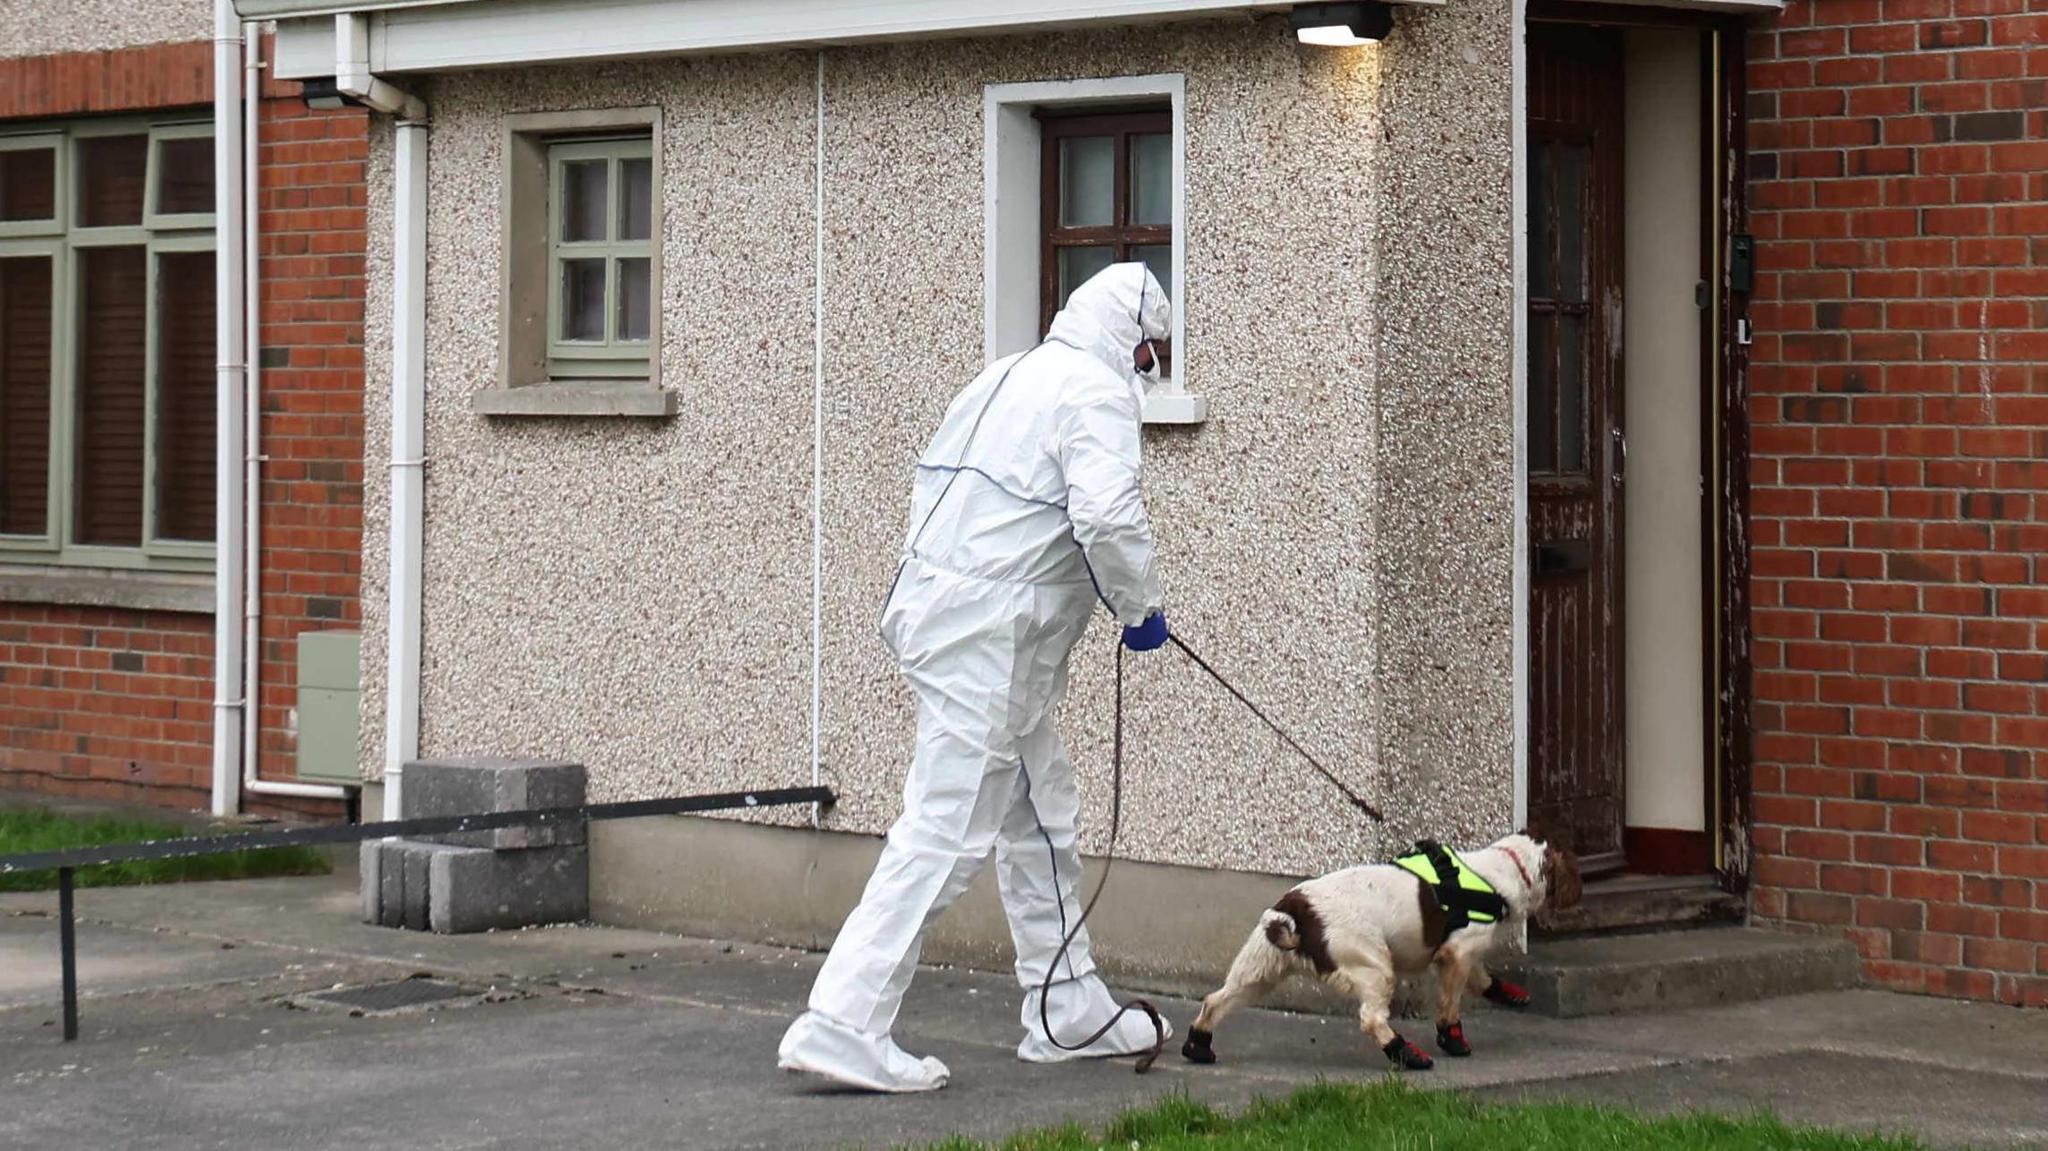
[1576, 454]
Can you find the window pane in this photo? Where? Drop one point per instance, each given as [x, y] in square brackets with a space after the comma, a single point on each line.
[633, 298]
[1087, 182]
[583, 300]
[1571, 223]
[1571, 393]
[28, 184]
[583, 200]
[1077, 264]
[113, 293]
[1158, 258]
[1542, 394]
[184, 179]
[185, 385]
[636, 199]
[1152, 179]
[1542, 236]
[111, 172]
[25, 315]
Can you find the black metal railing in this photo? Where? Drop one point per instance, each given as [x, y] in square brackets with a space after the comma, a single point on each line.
[67, 861]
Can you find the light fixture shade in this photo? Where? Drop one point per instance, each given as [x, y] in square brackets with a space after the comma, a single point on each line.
[1341, 25]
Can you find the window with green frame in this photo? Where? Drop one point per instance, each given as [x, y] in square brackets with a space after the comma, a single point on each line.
[107, 373]
[600, 257]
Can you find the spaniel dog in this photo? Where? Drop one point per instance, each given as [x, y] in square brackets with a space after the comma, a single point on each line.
[1362, 928]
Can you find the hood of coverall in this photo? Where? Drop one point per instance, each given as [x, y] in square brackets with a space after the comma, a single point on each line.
[1114, 311]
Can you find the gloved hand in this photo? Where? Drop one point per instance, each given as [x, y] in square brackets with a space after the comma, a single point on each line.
[1147, 636]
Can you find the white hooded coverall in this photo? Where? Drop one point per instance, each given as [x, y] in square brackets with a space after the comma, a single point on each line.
[1026, 513]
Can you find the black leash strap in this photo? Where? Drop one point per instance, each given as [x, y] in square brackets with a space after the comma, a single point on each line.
[1356, 800]
[1116, 818]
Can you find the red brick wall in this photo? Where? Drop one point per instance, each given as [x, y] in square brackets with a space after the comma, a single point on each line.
[1900, 503]
[119, 704]
[313, 237]
[105, 704]
[115, 80]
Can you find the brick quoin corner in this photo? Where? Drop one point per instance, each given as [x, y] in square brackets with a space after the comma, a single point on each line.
[113, 704]
[1899, 384]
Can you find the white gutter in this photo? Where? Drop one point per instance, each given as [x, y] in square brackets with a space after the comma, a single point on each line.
[228, 703]
[252, 611]
[353, 78]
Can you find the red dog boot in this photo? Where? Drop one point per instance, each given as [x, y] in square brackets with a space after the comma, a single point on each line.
[1408, 1055]
[1507, 994]
[1450, 1039]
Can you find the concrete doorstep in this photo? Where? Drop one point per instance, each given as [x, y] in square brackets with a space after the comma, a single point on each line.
[198, 1032]
[1677, 970]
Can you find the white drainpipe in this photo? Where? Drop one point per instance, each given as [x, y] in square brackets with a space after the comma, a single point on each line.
[352, 76]
[228, 701]
[252, 612]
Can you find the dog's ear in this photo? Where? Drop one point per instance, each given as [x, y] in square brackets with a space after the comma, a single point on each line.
[1561, 882]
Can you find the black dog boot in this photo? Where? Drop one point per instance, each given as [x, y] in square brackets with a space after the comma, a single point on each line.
[1198, 1048]
[1407, 1055]
[1507, 994]
[1450, 1039]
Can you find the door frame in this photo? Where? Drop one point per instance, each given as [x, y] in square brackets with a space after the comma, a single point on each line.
[1724, 400]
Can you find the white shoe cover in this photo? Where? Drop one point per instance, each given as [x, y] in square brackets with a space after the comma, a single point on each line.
[1076, 1010]
[822, 1046]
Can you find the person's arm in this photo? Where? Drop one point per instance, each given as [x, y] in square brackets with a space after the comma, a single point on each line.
[1099, 456]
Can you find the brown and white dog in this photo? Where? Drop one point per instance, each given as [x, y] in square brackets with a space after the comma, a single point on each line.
[1362, 928]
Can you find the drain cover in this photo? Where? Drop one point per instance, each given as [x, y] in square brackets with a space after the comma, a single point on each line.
[392, 996]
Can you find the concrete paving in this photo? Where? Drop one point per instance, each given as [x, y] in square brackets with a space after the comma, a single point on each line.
[190, 1040]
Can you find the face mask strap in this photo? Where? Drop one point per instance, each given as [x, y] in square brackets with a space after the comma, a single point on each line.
[1150, 345]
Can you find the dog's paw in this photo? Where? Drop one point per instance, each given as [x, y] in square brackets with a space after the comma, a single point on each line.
[1450, 1039]
[1199, 1047]
[1507, 994]
[1406, 1055]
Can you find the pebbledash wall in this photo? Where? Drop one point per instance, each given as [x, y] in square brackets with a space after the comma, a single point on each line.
[106, 686]
[638, 595]
[1900, 375]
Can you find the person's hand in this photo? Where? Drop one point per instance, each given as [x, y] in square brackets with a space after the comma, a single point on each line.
[1147, 636]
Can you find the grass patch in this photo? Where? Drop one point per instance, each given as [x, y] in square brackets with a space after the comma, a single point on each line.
[1394, 1116]
[40, 830]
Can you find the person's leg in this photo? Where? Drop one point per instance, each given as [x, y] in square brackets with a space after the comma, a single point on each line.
[959, 784]
[1038, 872]
[1038, 863]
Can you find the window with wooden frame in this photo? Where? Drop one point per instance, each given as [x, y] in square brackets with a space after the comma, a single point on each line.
[1106, 198]
[107, 364]
[600, 257]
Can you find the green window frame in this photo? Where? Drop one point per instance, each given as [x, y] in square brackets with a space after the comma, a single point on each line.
[71, 247]
[600, 265]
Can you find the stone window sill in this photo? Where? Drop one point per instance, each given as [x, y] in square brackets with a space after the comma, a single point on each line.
[189, 592]
[604, 398]
[1171, 406]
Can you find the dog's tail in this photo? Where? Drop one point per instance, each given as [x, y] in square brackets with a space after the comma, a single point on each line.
[1281, 930]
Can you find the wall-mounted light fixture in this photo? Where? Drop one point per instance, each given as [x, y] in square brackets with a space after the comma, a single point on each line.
[1342, 25]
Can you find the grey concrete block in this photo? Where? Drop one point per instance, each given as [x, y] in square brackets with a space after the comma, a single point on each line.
[390, 884]
[370, 880]
[490, 784]
[416, 864]
[476, 889]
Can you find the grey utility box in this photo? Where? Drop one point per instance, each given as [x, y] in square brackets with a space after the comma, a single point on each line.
[330, 706]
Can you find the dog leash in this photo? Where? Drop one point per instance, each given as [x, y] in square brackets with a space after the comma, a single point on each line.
[1116, 814]
[1356, 800]
[1116, 817]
